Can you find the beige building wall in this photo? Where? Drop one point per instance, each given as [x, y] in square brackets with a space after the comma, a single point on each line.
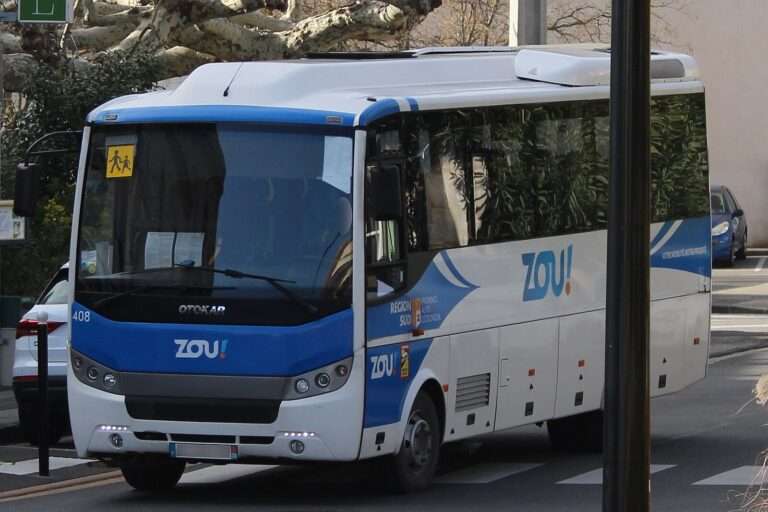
[729, 42]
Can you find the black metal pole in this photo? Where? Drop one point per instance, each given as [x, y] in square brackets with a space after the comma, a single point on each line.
[42, 393]
[626, 473]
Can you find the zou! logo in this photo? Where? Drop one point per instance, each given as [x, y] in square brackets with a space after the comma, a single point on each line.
[382, 366]
[195, 349]
[545, 273]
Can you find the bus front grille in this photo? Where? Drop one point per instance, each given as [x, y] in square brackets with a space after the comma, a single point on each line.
[202, 409]
[473, 392]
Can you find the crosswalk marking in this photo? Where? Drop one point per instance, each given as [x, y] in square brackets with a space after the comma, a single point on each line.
[484, 473]
[595, 477]
[28, 467]
[743, 476]
[218, 474]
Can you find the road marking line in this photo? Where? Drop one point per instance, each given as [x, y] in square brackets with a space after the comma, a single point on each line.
[728, 316]
[714, 360]
[484, 473]
[761, 264]
[737, 327]
[742, 476]
[27, 467]
[42, 490]
[218, 474]
[595, 477]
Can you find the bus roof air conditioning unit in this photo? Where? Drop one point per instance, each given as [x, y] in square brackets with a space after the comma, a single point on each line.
[592, 66]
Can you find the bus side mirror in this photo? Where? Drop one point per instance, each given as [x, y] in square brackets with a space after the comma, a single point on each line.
[27, 188]
[738, 212]
[384, 195]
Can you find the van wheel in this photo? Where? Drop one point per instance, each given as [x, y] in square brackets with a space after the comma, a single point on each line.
[579, 433]
[152, 473]
[413, 468]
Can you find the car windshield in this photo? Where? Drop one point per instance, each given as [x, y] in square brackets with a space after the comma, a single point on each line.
[718, 202]
[57, 290]
[256, 220]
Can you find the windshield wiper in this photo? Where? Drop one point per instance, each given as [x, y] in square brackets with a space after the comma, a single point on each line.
[146, 288]
[274, 281]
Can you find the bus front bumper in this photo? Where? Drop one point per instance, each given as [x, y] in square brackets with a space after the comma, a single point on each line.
[328, 427]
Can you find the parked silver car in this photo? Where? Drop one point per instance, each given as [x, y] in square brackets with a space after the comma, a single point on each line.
[52, 301]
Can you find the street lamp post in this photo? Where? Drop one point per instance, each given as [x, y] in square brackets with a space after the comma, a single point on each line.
[626, 478]
[527, 22]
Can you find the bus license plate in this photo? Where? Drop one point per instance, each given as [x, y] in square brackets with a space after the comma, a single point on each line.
[203, 451]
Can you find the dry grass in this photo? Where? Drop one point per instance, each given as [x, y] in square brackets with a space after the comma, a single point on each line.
[755, 498]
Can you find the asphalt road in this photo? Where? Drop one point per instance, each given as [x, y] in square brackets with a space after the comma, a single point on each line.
[708, 442]
[742, 289]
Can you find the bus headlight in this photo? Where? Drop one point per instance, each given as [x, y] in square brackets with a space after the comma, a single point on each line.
[721, 229]
[109, 380]
[302, 386]
[322, 380]
[88, 372]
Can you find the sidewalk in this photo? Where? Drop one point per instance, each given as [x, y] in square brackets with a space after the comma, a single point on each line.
[9, 416]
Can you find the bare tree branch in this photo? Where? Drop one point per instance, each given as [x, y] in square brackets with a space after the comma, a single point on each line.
[262, 21]
[180, 61]
[186, 33]
[97, 39]
[370, 21]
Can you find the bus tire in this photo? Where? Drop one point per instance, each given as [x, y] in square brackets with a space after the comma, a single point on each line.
[579, 433]
[413, 467]
[152, 473]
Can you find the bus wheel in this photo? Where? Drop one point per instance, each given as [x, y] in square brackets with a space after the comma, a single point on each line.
[579, 433]
[152, 473]
[413, 468]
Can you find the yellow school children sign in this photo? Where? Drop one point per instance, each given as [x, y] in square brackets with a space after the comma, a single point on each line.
[120, 161]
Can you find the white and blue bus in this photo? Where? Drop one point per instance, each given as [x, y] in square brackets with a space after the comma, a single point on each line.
[351, 257]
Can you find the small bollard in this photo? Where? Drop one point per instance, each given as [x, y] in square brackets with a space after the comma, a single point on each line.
[42, 393]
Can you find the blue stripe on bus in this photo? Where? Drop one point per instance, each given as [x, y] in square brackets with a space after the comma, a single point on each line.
[413, 103]
[660, 234]
[220, 113]
[688, 249]
[242, 349]
[438, 298]
[387, 381]
[452, 267]
[377, 110]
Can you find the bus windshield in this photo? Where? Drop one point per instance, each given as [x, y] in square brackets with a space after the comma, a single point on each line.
[227, 223]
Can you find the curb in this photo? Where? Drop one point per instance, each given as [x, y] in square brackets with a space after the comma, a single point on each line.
[72, 484]
[723, 353]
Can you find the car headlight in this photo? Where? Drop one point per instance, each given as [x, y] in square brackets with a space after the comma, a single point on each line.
[721, 229]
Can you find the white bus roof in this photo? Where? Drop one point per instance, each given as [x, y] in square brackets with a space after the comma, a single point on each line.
[356, 89]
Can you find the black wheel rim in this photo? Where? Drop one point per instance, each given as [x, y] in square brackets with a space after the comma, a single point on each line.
[418, 442]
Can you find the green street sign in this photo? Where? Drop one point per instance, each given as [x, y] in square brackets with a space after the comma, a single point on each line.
[46, 11]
